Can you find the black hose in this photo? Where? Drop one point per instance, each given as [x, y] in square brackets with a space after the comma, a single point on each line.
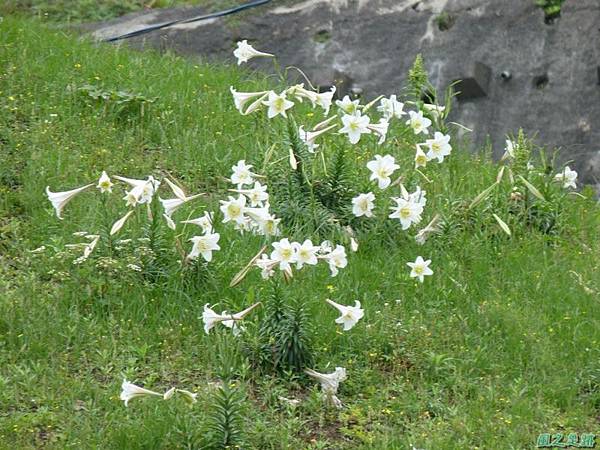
[190, 20]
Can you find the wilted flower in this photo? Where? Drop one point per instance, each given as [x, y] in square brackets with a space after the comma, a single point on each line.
[350, 315]
[190, 397]
[233, 209]
[329, 383]
[119, 223]
[60, 199]
[104, 183]
[245, 52]
[568, 176]
[391, 108]
[130, 391]
[306, 253]
[204, 222]
[362, 205]
[355, 125]
[348, 106]
[381, 168]
[432, 227]
[241, 173]
[278, 104]
[418, 123]
[420, 268]
[204, 245]
[439, 146]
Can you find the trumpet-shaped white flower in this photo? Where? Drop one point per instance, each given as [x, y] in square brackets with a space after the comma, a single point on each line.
[204, 245]
[308, 137]
[278, 104]
[355, 125]
[240, 99]
[104, 183]
[173, 204]
[60, 199]
[306, 253]
[362, 205]
[167, 395]
[119, 223]
[348, 106]
[324, 99]
[241, 173]
[509, 149]
[380, 129]
[568, 176]
[336, 259]
[257, 195]
[407, 211]
[420, 268]
[391, 108]
[439, 146]
[179, 193]
[419, 196]
[284, 253]
[418, 123]
[245, 52]
[143, 190]
[350, 315]
[420, 158]
[233, 209]
[266, 265]
[129, 391]
[381, 168]
[204, 222]
[89, 248]
[211, 318]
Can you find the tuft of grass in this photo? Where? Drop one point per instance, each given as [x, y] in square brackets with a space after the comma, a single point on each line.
[500, 345]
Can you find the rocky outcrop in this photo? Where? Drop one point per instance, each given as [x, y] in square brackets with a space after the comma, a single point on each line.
[519, 71]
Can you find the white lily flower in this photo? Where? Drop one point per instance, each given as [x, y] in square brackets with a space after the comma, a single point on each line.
[233, 209]
[336, 259]
[211, 318]
[292, 159]
[324, 99]
[391, 108]
[380, 129]
[407, 211]
[420, 157]
[284, 253]
[278, 104]
[179, 193]
[204, 245]
[350, 315]
[89, 248]
[60, 199]
[173, 204]
[420, 268]
[354, 126]
[119, 223]
[130, 391]
[419, 196]
[568, 176]
[381, 168]
[257, 195]
[190, 397]
[362, 205]
[308, 137]
[306, 253]
[509, 149]
[241, 173]
[240, 100]
[418, 123]
[245, 52]
[326, 247]
[431, 228]
[104, 183]
[204, 222]
[348, 106]
[353, 245]
[439, 146]
[266, 265]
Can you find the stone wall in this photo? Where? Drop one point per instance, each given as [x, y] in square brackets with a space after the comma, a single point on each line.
[520, 71]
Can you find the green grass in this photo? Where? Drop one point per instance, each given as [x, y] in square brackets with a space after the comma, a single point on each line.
[501, 344]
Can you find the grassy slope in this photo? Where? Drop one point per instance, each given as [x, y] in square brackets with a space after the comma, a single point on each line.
[498, 346]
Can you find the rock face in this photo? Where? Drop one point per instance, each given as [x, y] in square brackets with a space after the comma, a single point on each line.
[519, 71]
